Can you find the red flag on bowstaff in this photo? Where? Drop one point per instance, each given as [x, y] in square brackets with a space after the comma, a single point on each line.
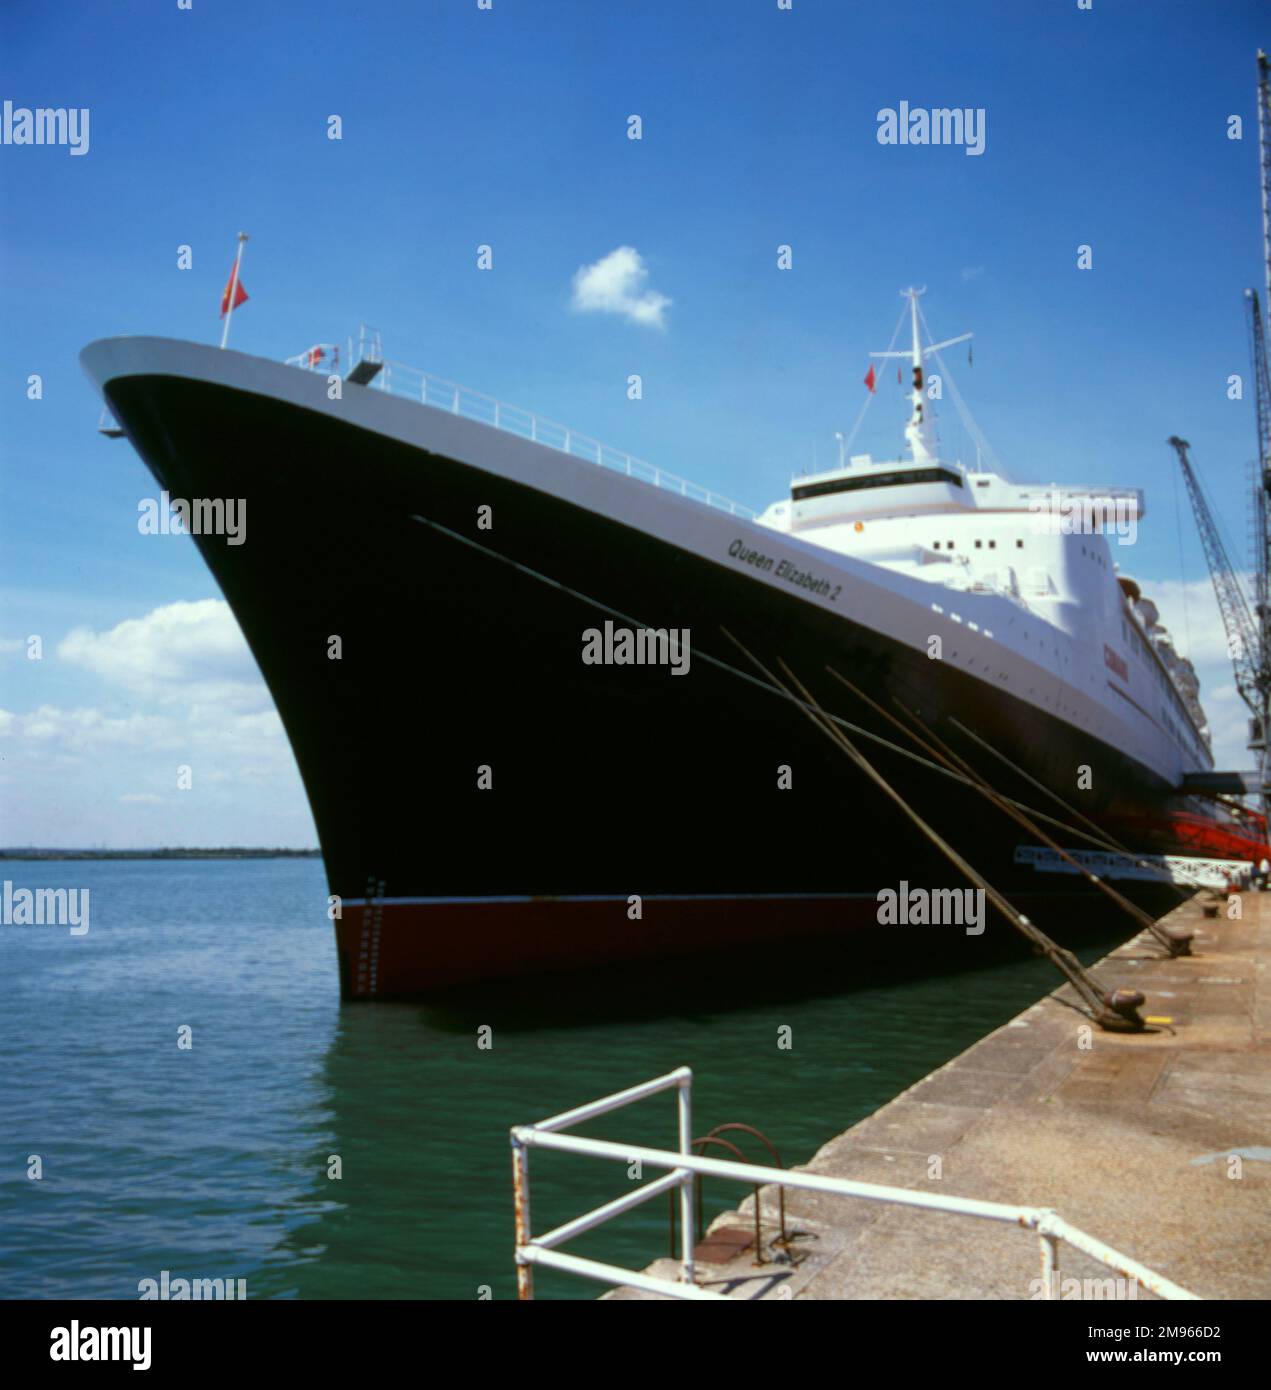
[240, 294]
[870, 378]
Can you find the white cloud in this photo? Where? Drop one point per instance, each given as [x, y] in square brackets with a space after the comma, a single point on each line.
[184, 652]
[175, 688]
[90, 776]
[1190, 612]
[971, 272]
[218, 734]
[615, 285]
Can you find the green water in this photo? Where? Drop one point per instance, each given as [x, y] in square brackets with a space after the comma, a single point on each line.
[214, 1161]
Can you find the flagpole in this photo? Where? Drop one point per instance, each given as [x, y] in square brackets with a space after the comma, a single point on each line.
[233, 288]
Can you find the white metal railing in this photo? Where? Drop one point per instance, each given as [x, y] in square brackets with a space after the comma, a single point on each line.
[413, 384]
[683, 1168]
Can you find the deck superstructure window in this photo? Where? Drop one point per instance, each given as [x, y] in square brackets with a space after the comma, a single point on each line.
[912, 475]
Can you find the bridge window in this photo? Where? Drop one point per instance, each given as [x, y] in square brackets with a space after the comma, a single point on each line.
[801, 493]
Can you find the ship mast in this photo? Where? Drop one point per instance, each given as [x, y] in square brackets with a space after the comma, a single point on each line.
[920, 432]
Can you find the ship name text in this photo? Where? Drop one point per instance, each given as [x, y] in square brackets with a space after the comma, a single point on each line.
[784, 569]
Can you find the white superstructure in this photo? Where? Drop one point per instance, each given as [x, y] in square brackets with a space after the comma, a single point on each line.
[1056, 632]
[1043, 547]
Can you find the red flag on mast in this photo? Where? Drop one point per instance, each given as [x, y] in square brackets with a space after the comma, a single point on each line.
[870, 378]
[240, 294]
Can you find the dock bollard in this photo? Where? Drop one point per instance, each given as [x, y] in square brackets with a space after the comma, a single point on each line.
[1180, 941]
[1121, 1011]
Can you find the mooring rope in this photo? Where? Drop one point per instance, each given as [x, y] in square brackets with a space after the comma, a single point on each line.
[1116, 1010]
[1104, 840]
[1177, 945]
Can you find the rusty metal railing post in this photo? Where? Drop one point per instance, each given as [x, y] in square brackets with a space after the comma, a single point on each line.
[521, 1202]
[684, 1096]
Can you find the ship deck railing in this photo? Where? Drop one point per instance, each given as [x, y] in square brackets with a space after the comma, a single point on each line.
[412, 384]
[683, 1167]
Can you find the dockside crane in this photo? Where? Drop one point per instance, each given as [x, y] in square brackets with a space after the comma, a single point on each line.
[1249, 634]
[1261, 500]
[1244, 644]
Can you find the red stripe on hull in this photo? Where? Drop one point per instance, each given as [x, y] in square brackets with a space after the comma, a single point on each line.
[1196, 835]
[392, 948]
[405, 949]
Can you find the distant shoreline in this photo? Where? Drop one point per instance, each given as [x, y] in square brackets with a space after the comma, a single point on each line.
[230, 852]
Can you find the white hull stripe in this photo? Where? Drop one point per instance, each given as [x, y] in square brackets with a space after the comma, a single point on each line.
[898, 606]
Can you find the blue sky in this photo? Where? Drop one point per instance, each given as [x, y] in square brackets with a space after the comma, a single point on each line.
[509, 127]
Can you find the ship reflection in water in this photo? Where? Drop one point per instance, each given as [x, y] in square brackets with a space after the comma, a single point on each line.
[419, 1109]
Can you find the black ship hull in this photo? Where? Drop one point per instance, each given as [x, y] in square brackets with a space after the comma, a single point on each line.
[489, 804]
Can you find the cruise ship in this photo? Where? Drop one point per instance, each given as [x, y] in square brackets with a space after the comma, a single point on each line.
[440, 590]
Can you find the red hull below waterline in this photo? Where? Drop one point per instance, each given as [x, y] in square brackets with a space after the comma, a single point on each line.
[416, 949]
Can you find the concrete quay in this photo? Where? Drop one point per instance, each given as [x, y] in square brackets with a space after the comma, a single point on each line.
[1156, 1143]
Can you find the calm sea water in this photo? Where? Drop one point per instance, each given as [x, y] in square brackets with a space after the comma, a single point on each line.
[213, 1161]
